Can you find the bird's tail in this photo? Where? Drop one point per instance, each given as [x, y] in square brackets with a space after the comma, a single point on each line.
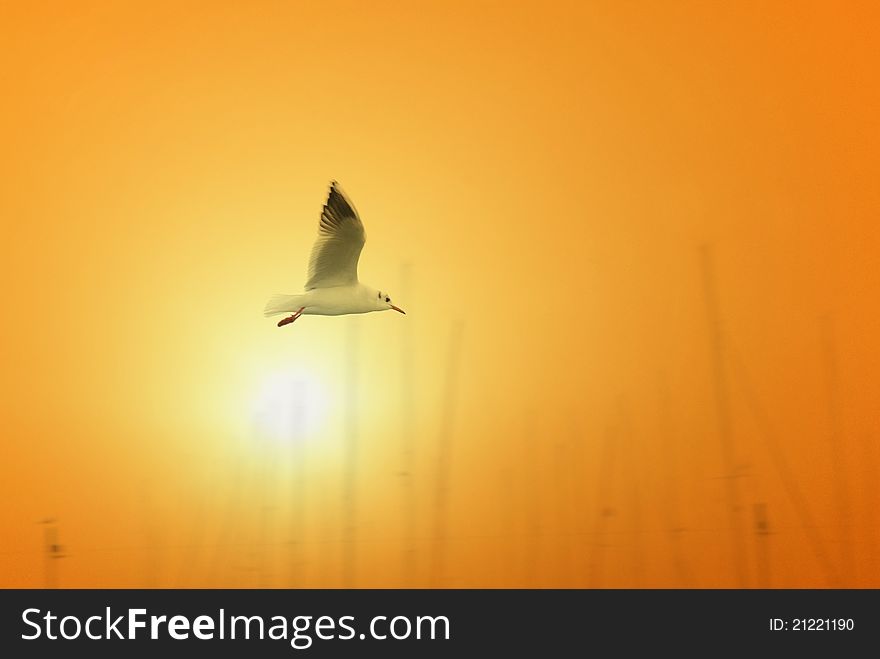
[283, 304]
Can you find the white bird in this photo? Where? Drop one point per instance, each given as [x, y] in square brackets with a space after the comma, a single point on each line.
[332, 288]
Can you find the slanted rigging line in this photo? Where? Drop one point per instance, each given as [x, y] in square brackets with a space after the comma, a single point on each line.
[782, 467]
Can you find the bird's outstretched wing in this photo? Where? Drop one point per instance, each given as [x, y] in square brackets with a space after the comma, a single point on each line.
[341, 237]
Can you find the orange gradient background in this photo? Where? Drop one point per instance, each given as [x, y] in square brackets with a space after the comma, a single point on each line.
[564, 183]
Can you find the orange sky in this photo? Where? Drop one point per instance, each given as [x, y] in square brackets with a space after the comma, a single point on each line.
[548, 172]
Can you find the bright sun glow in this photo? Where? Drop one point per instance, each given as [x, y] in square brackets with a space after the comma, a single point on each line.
[290, 406]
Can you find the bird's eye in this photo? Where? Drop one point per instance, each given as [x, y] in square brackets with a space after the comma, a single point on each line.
[388, 299]
[380, 295]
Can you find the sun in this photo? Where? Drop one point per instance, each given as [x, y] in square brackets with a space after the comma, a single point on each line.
[290, 406]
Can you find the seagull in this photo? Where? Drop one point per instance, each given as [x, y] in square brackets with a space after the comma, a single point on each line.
[332, 287]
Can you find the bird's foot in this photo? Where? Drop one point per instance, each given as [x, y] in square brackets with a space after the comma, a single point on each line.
[290, 319]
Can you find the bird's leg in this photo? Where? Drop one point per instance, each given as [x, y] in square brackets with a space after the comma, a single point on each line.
[290, 319]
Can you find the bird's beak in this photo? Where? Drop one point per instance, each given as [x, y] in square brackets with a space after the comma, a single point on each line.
[398, 309]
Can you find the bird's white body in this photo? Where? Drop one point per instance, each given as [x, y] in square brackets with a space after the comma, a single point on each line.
[332, 287]
[332, 301]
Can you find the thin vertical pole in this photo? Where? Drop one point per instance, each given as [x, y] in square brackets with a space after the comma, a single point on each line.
[236, 484]
[407, 382]
[723, 415]
[562, 459]
[838, 466]
[298, 485]
[150, 540]
[349, 499]
[506, 564]
[52, 552]
[268, 509]
[635, 497]
[670, 453]
[576, 471]
[787, 476]
[252, 562]
[762, 533]
[605, 512]
[532, 504]
[444, 459]
[872, 503]
[193, 549]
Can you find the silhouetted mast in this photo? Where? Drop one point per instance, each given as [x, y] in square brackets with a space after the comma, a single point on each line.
[53, 551]
[298, 481]
[407, 408]
[841, 496]
[506, 566]
[669, 448]
[562, 460]
[531, 504]
[723, 414]
[635, 497]
[266, 483]
[349, 501]
[786, 475]
[762, 539]
[193, 549]
[151, 548]
[605, 512]
[444, 458]
[230, 522]
[872, 503]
